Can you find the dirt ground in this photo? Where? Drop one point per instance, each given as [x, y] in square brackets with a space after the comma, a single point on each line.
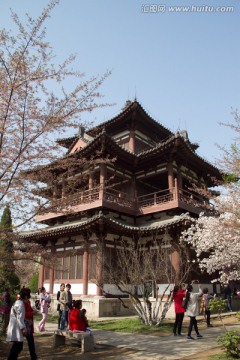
[71, 351]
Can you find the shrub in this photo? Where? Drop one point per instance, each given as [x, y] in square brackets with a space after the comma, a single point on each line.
[33, 283]
[238, 316]
[231, 343]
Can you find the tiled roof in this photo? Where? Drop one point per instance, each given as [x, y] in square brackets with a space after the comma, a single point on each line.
[67, 142]
[127, 110]
[147, 153]
[59, 230]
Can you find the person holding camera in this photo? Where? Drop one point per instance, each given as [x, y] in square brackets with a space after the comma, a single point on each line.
[178, 295]
[193, 309]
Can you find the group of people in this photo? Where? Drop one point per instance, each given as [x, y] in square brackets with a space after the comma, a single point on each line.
[71, 314]
[187, 302]
[19, 317]
[21, 325]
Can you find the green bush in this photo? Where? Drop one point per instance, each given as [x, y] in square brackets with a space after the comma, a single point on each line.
[238, 315]
[33, 283]
[231, 343]
[217, 304]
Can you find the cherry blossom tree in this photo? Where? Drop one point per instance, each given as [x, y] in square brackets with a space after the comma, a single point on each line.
[128, 268]
[35, 108]
[216, 239]
[31, 113]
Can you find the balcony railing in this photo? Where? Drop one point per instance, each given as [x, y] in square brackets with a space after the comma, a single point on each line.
[114, 199]
[159, 197]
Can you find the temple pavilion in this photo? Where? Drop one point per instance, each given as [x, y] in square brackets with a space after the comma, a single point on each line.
[137, 180]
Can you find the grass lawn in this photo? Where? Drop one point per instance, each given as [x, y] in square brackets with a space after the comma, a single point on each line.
[127, 325]
[132, 325]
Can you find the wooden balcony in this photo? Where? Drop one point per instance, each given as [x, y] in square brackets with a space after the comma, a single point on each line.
[112, 199]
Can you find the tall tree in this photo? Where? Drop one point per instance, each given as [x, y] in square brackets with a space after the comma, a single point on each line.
[217, 239]
[7, 268]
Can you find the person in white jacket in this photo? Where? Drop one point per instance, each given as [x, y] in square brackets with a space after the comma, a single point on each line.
[193, 310]
[16, 327]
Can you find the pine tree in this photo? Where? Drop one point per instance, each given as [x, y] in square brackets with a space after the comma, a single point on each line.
[7, 268]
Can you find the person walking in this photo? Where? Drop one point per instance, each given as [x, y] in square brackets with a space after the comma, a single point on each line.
[29, 312]
[62, 288]
[16, 327]
[44, 308]
[228, 297]
[204, 309]
[178, 296]
[193, 310]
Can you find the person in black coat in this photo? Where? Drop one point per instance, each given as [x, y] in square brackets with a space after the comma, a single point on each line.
[62, 288]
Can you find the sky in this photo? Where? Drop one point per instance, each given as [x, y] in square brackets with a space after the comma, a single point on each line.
[179, 58]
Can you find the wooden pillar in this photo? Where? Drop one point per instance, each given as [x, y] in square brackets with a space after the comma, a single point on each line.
[176, 190]
[100, 259]
[179, 178]
[132, 141]
[170, 176]
[102, 179]
[99, 271]
[85, 272]
[51, 280]
[90, 180]
[41, 274]
[51, 270]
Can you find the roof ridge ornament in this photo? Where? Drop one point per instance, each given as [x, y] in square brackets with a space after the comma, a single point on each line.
[127, 104]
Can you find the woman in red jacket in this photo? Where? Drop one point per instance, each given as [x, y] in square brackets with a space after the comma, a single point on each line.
[29, 312]
[76, 322]
[178, 295]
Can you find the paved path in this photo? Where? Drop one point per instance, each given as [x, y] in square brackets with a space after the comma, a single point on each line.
[155, 347]
[165, 347]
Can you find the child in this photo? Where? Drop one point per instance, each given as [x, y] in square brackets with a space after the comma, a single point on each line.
[84, 317]
[204, 305]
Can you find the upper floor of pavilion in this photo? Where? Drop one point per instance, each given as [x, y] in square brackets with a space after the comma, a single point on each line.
[131, 164]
